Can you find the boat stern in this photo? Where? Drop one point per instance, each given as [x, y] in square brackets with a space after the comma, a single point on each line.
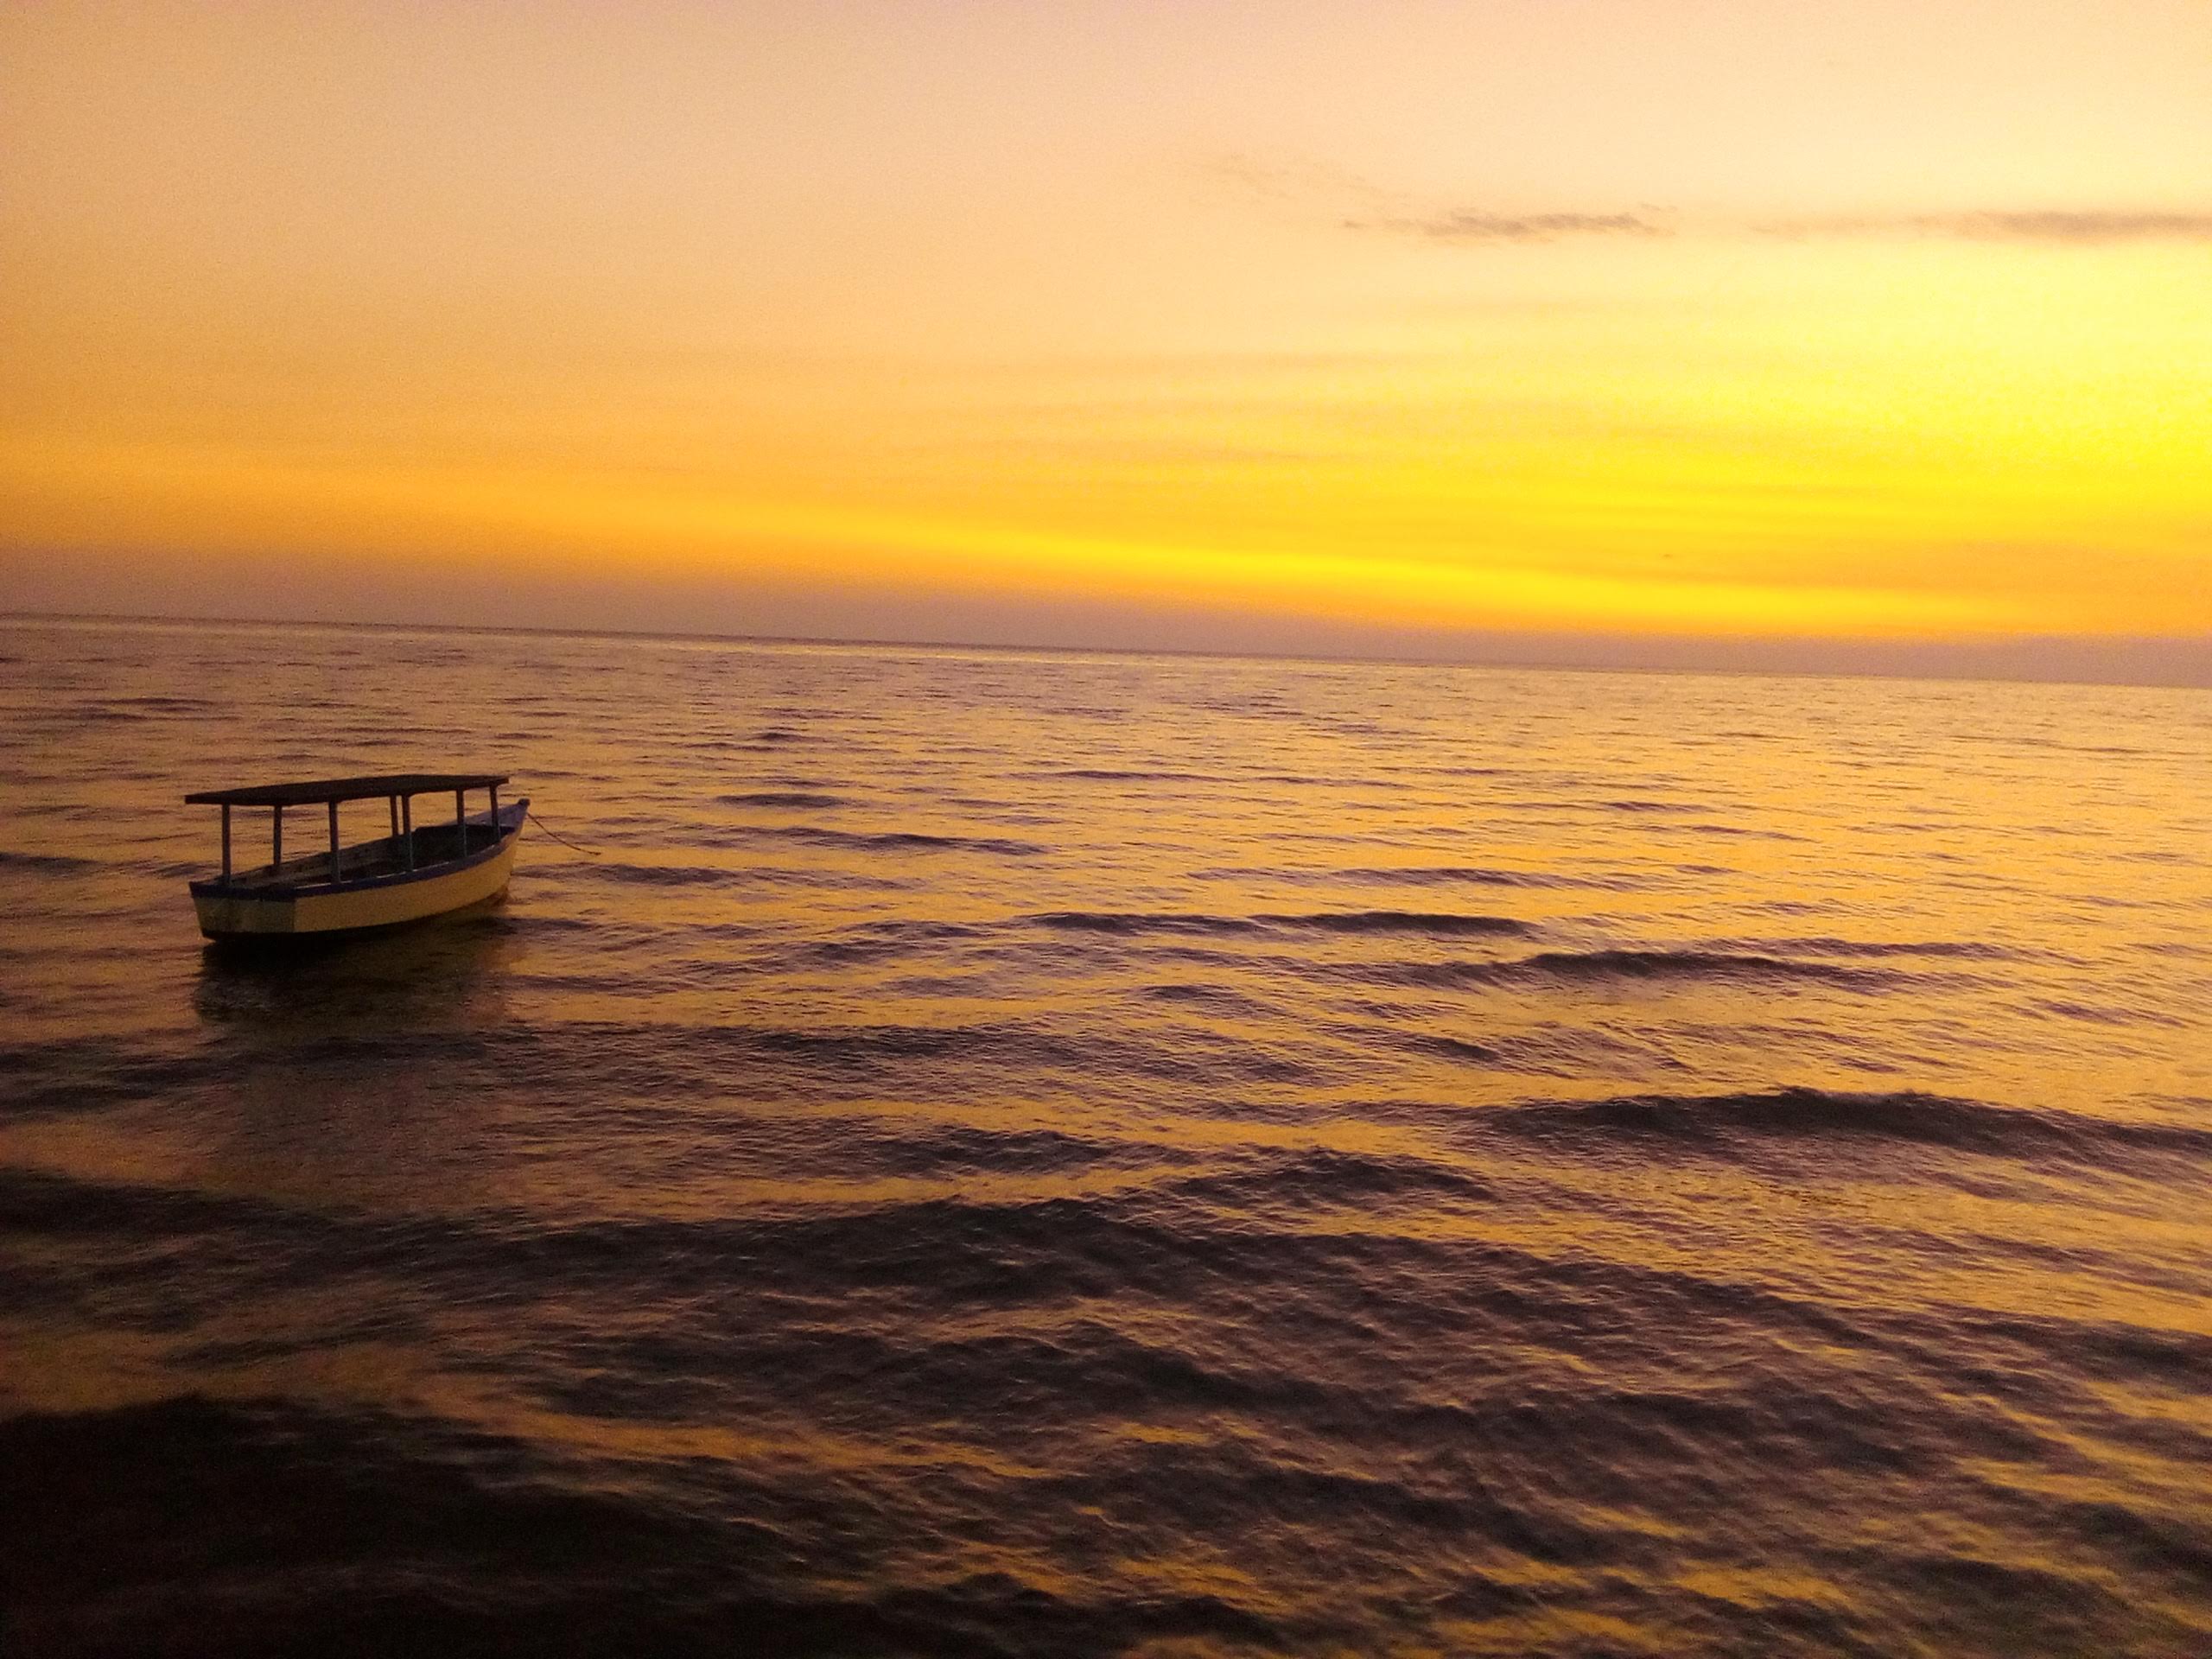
[226, 913]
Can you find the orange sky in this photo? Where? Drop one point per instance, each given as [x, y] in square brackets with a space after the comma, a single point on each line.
[1297, 325]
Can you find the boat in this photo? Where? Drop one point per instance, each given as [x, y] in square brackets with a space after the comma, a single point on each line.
[412, 874]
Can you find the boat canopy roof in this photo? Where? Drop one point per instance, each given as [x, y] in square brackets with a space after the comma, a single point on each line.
[348, 788]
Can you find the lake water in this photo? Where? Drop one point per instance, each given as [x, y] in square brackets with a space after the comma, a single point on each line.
[981, 1153]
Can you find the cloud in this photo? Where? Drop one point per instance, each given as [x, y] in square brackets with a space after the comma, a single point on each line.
[1315, 190]
[1477, 226]
[2075, 227]
[2079, 225]
[1355, 203]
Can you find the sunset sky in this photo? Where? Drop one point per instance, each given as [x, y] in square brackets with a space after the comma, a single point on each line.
[1609, 330]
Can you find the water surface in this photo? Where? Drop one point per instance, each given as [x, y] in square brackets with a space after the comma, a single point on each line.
[978, 1151]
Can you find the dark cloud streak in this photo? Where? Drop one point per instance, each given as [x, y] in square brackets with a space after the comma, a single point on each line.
[1477, 226]
[2075, 227]
[2079, 225]
[1362, 206]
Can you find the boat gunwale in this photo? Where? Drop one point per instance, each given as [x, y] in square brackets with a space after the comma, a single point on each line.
[216, 887]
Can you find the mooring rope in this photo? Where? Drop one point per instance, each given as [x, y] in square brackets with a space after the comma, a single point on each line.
[538, 818]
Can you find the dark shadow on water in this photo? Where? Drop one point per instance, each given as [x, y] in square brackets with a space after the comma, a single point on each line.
[355, 1072]
[430, 976]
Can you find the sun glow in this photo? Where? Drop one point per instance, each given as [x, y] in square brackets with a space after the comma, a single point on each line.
[572, 310]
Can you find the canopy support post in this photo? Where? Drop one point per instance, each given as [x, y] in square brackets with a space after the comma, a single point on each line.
[334, 843]
[275, 836]
[393, 801]
[461, 819]
[226, 843]
[495, 812]
[407, 826]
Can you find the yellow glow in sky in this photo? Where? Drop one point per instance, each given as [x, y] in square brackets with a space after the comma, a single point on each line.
[1354, 325]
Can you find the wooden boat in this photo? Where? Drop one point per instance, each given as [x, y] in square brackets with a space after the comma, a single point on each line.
[409, 876]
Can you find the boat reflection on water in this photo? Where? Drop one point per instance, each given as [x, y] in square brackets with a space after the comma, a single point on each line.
[356, 1074]
[409, 980]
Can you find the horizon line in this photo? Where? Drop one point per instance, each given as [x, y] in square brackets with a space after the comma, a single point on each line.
[1922, 676]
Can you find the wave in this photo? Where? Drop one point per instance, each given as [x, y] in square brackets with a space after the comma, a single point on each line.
[1301, 780]
[47, 863]
[680, 875]
[870, 1046]
[359, 1529]
[898, 841]
[1458, 1048]
[803, 1056]
[781, 798]
[1567, 1052]
[1296, 780]
[37, 1201]
[879, 941]
[2102, 1013]
[1133, 922]
[659, 875]
[1327, 1177]
[614, 1058]
[938, 1149]
[1675, 964]
[1965, 950]
[1221, 999]
[172, 869]
[1399, 921]
[90, 1072]
[1104, 775]
[1472, 875]
[1717, 1121]
[162, 704]
[91, 713]
[1584, 967]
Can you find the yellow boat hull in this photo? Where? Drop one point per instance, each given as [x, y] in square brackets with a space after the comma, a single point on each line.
[358, 906]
